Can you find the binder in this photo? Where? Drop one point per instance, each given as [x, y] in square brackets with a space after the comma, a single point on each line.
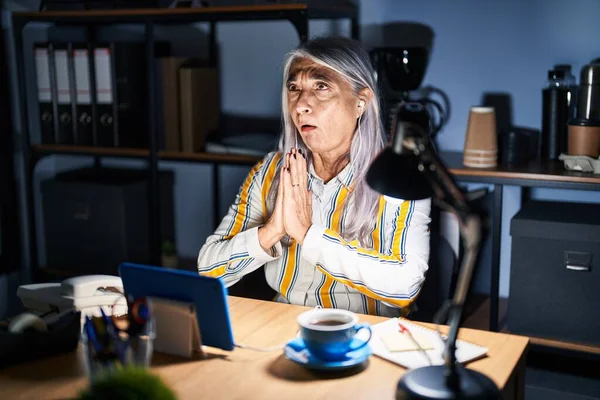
[199, 106]
[106, 126]
[72, 90]
[42, 66]
[122, 93]
[170, 95]
[84, 133]
[130, 82]
[65, 134]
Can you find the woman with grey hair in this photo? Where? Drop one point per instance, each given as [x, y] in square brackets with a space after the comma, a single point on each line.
[306, 213]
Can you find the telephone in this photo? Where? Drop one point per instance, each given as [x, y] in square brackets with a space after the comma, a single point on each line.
[86, 293]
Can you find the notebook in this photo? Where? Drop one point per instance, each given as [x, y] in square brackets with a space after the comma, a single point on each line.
[389, 343]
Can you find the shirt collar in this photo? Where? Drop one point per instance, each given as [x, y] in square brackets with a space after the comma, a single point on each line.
[344, 176]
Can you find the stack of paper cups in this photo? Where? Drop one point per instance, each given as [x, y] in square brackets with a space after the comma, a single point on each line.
[481, 146]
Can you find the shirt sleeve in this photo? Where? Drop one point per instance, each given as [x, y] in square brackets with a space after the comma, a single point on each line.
[394, 270]
[233, 250]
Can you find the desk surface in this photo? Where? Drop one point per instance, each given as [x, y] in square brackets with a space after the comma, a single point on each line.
[535, 174]
[250, 374]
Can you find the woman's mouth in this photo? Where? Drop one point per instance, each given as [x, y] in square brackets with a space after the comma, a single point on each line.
[307, 128]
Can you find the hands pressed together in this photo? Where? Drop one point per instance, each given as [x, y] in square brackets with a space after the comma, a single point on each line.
[292, 214]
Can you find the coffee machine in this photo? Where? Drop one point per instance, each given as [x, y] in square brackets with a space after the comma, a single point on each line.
[400, 64]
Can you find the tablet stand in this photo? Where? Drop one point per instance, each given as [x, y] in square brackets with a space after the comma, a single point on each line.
[177, 330]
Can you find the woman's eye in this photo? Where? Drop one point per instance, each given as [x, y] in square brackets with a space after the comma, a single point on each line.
[292, 87]
[322, 86]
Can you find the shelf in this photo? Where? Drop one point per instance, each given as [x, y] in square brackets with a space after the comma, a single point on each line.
[538, 173]
[478, 318]
[209, 157]
[48, 149]
[558, 344]
[196, 14]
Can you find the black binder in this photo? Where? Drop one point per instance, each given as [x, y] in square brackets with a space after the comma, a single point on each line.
[84, 133]
[44, 90]
[122, 93]
[106, 114]
[65, 134]
[131, 83]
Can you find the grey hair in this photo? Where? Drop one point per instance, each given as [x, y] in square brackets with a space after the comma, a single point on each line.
[348, 58]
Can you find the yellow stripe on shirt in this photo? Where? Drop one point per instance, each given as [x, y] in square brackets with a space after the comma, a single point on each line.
[242, 214]
[289, 268]
[366, 291]
[355, 245]
[400, 226]
[377, 241]
[269, 176]
[219, 271]
[334, 222]
[371, 306]
[378, 225]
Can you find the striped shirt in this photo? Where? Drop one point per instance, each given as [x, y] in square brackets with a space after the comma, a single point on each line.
[327, 270]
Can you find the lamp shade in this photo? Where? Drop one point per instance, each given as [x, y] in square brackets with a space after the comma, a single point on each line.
[397, 175]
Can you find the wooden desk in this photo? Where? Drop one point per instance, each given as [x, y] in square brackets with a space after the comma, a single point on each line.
[550, 174]
[246, 374]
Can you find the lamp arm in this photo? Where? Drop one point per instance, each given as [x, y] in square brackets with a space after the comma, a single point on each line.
[449, 193]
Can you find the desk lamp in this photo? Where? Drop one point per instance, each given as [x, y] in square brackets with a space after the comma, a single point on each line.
[410, 169]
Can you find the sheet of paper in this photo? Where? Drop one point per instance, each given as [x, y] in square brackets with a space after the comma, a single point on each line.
[413, 358]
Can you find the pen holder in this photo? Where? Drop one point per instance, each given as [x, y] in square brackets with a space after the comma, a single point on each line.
[107, 351]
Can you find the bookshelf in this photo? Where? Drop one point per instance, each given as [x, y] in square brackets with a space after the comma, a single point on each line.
[41, 150]
[298, 14]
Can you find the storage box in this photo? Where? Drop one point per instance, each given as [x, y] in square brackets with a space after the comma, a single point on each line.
[554, 276]
[97, 218]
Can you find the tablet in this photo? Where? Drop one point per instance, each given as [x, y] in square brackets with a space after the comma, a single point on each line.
[208, 295]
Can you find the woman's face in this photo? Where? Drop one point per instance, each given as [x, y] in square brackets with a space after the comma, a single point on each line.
[323, 107]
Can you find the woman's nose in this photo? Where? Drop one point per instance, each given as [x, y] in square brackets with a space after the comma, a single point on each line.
[303, 103]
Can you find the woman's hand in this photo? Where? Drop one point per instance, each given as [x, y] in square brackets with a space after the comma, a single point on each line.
[297, 199]
[273, 231]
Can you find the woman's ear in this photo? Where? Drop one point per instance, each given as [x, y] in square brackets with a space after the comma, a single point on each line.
[364, 97]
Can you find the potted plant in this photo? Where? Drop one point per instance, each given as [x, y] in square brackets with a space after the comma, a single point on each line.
[169, 255]
[129, 382]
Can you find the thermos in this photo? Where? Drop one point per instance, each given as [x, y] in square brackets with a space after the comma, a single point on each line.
[571, 84]
[584, 129]
[588, 107]
[555, 115]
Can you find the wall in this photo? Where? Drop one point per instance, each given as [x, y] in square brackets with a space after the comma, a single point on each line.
[503, 47]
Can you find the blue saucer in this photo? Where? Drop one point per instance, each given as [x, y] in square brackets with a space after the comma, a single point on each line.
[296, 351]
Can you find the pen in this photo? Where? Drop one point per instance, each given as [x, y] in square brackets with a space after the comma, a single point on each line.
[91, 334]
[405, 330]
[112, 337]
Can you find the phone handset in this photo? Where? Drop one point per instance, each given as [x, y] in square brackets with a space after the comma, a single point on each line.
[86, 293]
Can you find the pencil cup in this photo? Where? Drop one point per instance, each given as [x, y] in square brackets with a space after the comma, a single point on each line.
[481, 147]
[108, 349]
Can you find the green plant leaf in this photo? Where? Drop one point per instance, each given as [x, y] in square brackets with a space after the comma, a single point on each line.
[129, 383]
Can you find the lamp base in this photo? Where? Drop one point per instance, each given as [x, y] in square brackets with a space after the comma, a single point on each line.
[430, 383]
